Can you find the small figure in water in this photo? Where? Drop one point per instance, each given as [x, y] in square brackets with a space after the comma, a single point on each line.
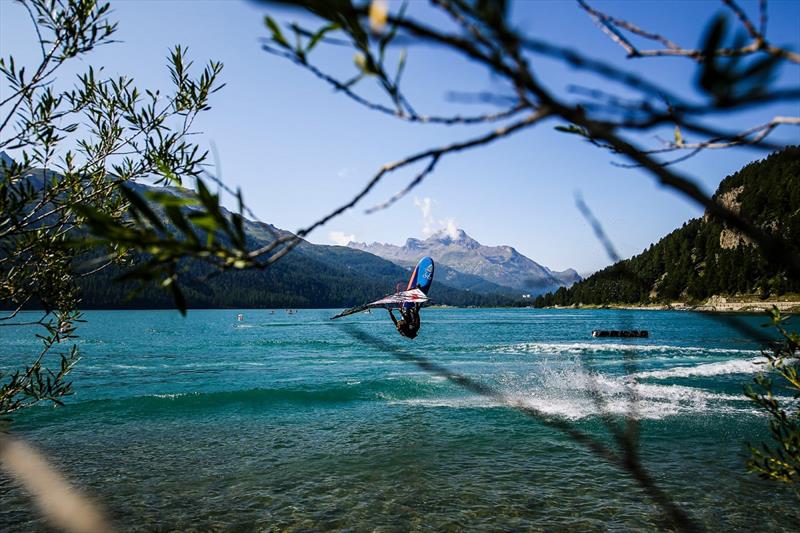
[408, 325]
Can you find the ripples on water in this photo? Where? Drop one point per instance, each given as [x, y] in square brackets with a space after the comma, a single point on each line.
[289, 422]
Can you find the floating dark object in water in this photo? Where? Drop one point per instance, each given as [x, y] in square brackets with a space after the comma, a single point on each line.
[620, 333]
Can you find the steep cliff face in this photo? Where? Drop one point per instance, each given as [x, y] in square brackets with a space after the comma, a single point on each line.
[730, 239]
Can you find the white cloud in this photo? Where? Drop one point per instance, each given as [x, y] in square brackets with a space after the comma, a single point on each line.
[431, 224]
[424, 206]
[451, 228]
[428, 222]
[340, 238]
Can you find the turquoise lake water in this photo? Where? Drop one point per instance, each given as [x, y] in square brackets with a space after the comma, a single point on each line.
[294, 422]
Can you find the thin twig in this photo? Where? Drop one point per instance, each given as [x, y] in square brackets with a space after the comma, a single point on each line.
[416, 181]
[740, 139]
[344, 88]
[744, 19]
[759, 42]
[606, 24]
[435, 152]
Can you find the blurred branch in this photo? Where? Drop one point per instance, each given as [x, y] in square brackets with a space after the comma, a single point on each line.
[345, 88]
[597, 228]
[745, 20]
[489, 41]
[62, 505]
[625, 458]
[612, 27]
[434, 154]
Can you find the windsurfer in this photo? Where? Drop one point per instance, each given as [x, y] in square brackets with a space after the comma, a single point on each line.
[408, 325]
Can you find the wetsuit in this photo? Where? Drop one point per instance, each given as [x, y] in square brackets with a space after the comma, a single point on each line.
[408, 326]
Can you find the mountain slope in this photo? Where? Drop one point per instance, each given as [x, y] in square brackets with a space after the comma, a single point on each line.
[310, 276]
[498, 265]
[705, 257]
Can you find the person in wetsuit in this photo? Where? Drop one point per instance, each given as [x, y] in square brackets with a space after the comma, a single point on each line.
[408, 325]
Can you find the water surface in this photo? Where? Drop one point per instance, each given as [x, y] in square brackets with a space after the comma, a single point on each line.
[294, 422]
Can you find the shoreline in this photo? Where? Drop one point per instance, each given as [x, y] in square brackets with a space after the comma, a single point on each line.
[712, 305]
[720, 305]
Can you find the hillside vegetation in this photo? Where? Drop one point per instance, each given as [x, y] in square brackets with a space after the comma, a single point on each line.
[311, 275]
[340, 278]
[704, 257]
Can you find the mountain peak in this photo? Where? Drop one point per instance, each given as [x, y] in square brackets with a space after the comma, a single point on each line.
[453, 248]
[453, 235]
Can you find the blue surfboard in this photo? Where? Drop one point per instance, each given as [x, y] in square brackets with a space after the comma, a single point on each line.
[422, 277]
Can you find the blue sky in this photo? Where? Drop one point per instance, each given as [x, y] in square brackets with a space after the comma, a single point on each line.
[297, 149]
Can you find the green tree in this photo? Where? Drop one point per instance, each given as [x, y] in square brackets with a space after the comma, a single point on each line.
[76, 150]
[780, 460]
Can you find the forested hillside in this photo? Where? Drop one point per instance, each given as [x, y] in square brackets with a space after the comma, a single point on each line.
[310, 276]
[704, 257]
[297, 280]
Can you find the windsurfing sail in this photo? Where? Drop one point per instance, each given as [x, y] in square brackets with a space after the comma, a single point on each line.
[391, 301]
[416, 294]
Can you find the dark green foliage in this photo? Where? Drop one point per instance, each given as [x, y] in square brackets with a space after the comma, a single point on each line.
[780, 460]
[691, 263]
[731, 79]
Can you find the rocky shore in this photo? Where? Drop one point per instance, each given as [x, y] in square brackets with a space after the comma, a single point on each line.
[715, 304]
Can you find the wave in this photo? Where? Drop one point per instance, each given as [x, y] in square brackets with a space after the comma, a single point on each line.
[594, 395]
[737, 366]
[574, 410]
[581, 348]
[651, 403]
[568, 391]
[573, 393]
[347, 391]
